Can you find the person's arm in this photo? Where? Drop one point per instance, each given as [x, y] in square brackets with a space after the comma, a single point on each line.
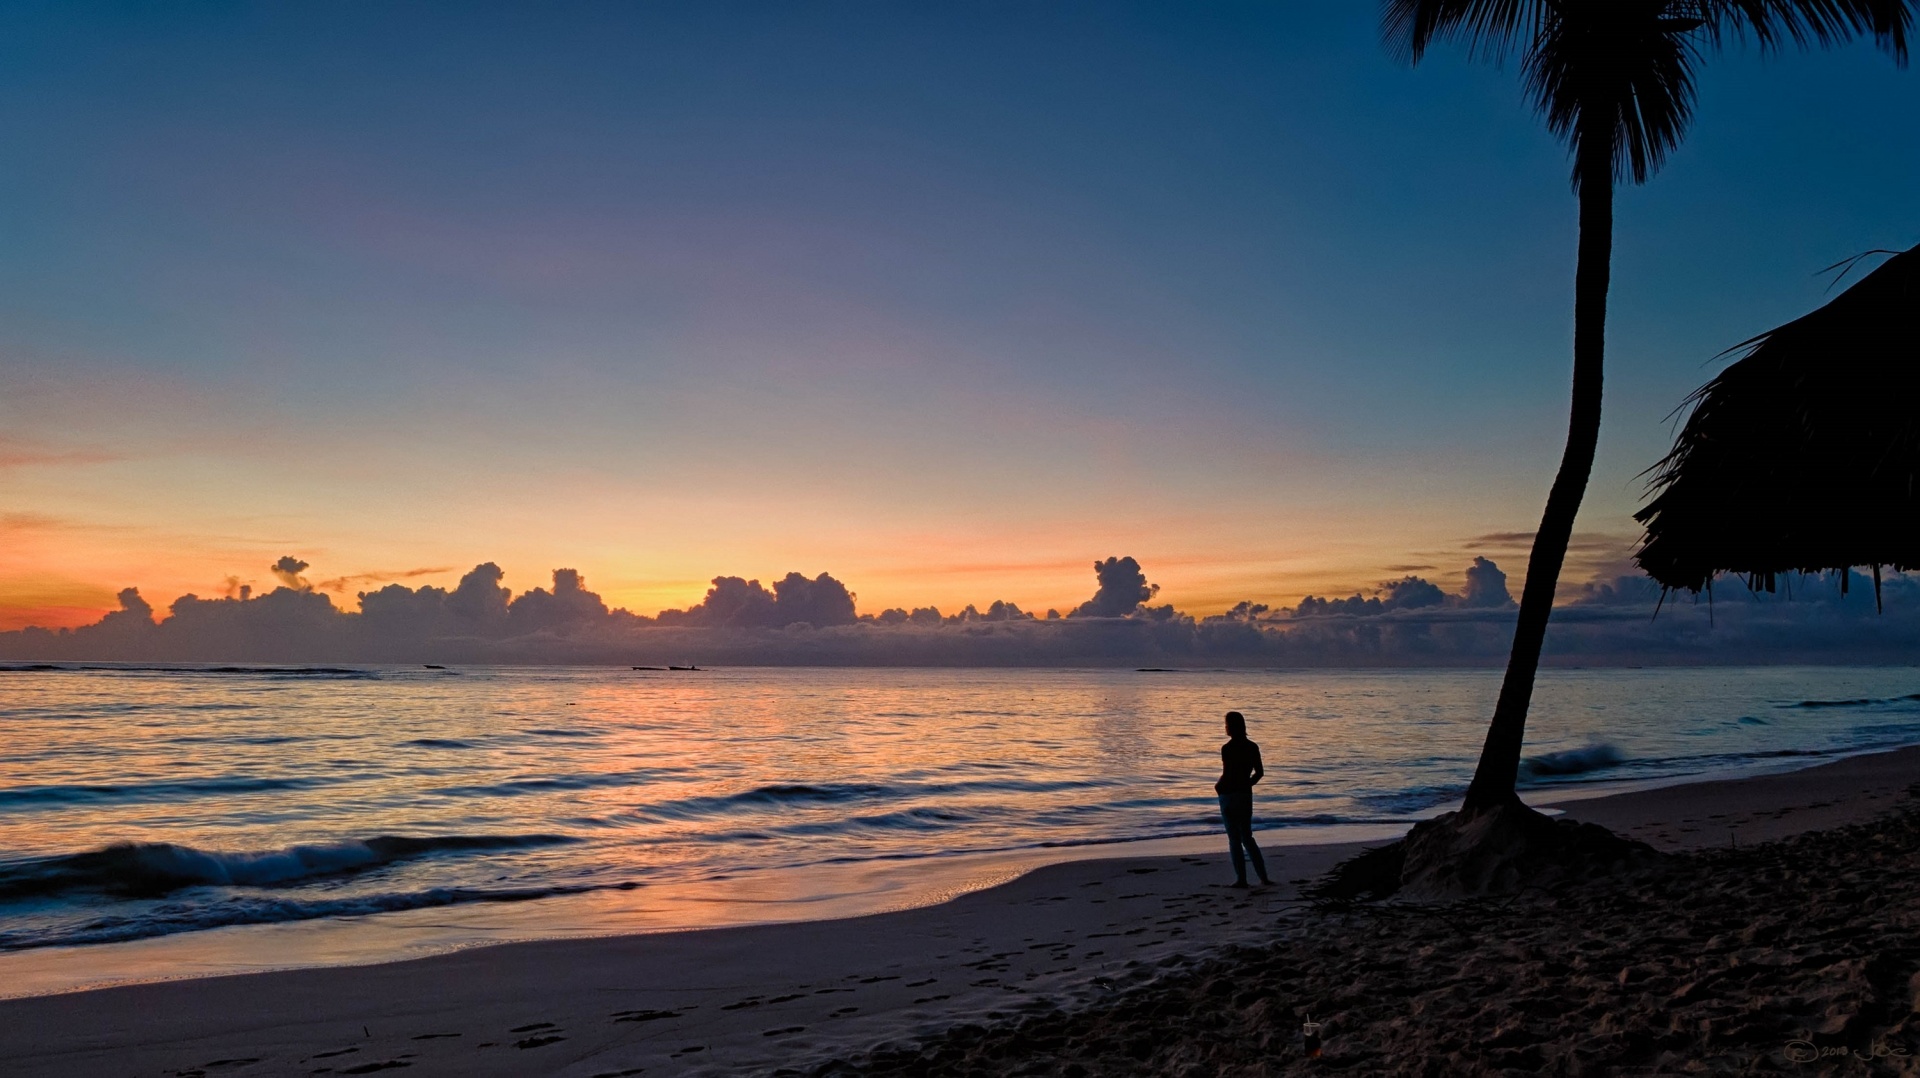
[1259, 768]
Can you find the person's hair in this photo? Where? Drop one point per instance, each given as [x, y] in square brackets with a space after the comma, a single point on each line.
[1236, 724]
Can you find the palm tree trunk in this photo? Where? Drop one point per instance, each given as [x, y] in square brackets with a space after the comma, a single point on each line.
[1499, 768]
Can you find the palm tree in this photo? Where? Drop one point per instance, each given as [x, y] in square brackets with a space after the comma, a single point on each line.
[1614, 80]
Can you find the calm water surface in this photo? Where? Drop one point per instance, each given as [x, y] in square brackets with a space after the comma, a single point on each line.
[145, 802]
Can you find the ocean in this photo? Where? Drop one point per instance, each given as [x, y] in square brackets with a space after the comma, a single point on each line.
[201, 802]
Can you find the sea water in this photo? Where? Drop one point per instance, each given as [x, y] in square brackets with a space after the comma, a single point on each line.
[142, 802]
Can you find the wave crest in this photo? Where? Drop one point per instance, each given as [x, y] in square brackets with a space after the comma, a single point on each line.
[1596, 757]
[152, 869]
[1864, 701]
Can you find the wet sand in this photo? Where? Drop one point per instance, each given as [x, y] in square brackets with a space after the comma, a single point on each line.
[1139, 965]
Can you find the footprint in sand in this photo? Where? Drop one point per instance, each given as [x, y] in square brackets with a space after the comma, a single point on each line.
[783, 1031]
[434, 1036]
[843, 1012]
[643, 1016]
[628, 1073]
[382, 1065]
[538, 1040]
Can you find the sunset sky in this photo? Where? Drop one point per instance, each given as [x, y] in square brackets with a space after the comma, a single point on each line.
[946, 299]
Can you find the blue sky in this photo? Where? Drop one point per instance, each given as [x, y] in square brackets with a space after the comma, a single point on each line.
[947, 299]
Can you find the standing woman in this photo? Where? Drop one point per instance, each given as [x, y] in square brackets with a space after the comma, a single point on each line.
[1240, 768]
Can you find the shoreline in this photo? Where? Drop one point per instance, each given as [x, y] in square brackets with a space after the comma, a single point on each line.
[758, 997]
[789, 896]
[799, 895]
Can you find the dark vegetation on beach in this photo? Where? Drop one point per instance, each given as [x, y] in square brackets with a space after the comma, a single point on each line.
[1801, 956]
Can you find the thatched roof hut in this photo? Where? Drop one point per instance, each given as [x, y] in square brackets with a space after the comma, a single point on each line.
[1805, 454]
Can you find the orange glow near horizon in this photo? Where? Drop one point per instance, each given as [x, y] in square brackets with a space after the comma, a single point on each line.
[58, 597]
[1225, 519]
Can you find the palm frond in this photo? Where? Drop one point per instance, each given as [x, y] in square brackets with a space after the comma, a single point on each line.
[1491, 29]
[1775, 24]
[1621, 71]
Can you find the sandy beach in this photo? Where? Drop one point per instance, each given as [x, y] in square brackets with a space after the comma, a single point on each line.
[1133, 965]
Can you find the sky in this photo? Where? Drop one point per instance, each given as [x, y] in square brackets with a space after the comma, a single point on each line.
[947, 299]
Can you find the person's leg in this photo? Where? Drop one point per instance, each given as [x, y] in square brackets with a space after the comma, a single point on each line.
[1253, 850]
[1227, 816]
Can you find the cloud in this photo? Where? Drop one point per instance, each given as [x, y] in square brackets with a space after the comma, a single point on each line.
[1585, 544]
[1486, 586]
[568, 606]
[478, 599]
[820, 602]
[288, 570]
[739, 603]
[27, 523]
[1408, 621]
[1590, 555]
[1486, 590]
[731, 601]
[18, 452]
[1123, 587]
[1505, 540]
[342, 583]
[1411, 593]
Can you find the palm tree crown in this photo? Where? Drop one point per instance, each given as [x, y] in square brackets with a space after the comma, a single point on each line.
[1615, 77]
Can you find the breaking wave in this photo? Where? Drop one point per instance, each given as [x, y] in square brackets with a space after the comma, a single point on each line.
[153, 869]
[258, 910]
[1597, 757]
[1864, 701]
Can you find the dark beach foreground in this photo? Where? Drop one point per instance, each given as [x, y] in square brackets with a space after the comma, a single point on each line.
[1795, 956]
[1779, 938]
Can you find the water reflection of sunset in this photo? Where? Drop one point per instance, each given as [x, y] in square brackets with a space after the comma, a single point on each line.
[143, 802]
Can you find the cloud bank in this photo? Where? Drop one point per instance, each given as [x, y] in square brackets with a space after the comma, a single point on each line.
[804, 620]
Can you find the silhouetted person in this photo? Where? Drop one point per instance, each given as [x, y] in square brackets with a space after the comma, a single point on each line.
[1240, 768]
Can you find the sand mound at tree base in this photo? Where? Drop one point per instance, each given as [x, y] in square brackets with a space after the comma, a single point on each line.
[1467, 854]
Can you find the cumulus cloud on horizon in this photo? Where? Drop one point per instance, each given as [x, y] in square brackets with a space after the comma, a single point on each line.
[1409, 621]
